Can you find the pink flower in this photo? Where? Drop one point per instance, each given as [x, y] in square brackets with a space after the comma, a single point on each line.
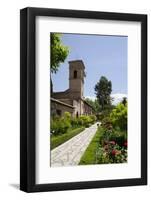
[112, 142]
[113, 152]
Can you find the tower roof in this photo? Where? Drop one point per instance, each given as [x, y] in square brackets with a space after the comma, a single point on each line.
[77, 62]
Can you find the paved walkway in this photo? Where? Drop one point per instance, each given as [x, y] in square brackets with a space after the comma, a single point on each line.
[70, 152]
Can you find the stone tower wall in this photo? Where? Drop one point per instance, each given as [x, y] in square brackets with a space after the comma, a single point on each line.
[76, 78]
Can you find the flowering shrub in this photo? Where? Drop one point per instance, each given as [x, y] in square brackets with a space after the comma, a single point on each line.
[119, 137]
[111, 134]
[112, 153]
[112, 147]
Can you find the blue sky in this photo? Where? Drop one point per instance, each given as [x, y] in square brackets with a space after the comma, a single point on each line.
[102, 56]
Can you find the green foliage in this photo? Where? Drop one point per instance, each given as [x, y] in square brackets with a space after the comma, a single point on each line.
[103, 90]
[67, 116]
[89, 156]
[119, 116]
[111, 134]
[84, 120]
[107, 146]
[87, 120]
[124, 101]
[94, 103]
[93, 118]
[60, 125]
[106, 123]
[60, 139]
[118, 136]
[59, 52]
[65, 127]
[102, 157]
[111, 153]
[75, 122]
[113, 146]
[111, 143]
[105, 113]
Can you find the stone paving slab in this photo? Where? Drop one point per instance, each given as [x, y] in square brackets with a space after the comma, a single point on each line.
[70, 152]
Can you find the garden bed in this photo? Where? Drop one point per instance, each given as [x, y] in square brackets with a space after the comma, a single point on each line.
[60, 139]
[106, 147]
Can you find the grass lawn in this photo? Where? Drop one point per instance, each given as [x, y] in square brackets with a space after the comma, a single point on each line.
[60, 139]
[89, 157]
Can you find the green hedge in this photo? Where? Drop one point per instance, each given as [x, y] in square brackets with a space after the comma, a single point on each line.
[58, 140]
[61, 125]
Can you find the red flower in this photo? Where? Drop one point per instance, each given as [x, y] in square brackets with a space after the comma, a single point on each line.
[125, 143]
[112, 142]
[113, 152]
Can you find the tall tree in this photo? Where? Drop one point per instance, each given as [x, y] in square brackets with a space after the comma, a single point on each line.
[103, 90]
[124, 101]
[58, 50]
[59, 53]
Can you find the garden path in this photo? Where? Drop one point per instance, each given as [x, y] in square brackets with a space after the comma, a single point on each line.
[70, 152]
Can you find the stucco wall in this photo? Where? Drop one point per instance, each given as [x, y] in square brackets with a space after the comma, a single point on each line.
[57, 108]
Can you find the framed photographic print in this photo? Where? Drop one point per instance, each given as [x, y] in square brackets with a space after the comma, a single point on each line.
[83, 99]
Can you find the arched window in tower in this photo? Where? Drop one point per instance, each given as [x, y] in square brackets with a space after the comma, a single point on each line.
[75, 74]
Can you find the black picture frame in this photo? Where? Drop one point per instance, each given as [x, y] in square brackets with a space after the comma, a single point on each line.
[28, 99]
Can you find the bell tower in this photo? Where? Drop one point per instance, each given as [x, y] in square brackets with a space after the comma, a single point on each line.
[76, 78]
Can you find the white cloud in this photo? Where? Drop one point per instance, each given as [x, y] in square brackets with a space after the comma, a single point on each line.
[117, 97]
[91, 97]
